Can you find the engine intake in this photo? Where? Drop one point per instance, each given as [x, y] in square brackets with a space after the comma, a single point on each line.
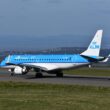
[19, 70]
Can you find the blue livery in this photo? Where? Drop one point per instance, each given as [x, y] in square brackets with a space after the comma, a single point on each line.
[54, 64]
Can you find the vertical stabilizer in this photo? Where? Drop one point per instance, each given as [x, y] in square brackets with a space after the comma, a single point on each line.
[95, 45]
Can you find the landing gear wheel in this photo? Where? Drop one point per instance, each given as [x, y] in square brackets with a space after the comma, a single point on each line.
[60, 74]
[39, 75]
[12, 74]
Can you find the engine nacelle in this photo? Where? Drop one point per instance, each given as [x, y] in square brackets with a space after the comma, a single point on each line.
[19, 70]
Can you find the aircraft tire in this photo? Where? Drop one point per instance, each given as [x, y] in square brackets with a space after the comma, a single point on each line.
[12, 74]
[39, 75]
[59, 74]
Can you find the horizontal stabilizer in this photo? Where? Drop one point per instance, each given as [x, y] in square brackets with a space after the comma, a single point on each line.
[93, 59]
[106, 59]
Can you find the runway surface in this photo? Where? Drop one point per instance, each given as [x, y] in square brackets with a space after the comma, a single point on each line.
[52, 79]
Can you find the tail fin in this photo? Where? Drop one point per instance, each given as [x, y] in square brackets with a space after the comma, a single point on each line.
[95, 45]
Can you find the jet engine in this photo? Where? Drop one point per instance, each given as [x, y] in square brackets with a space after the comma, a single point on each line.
[19, 70]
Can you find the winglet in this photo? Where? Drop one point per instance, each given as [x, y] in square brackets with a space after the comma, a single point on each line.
[95, 45]
[8, 59]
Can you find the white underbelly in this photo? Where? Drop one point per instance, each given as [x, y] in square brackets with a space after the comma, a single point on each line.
[54, 66]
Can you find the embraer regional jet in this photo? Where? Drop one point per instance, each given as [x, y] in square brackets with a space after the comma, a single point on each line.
[54, 64]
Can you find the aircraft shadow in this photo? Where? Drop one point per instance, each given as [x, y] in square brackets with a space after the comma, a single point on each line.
[68, 77]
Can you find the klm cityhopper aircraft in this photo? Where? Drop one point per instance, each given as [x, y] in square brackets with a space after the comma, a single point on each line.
[54, 64]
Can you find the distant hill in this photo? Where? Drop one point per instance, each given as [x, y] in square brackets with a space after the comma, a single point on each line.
[60, 50]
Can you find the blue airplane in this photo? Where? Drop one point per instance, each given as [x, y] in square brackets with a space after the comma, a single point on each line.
[54, 64]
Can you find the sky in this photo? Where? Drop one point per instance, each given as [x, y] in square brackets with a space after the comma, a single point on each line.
[42, 24]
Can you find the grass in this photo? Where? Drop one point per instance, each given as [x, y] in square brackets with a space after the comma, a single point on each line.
[31, 96]
[89, 71]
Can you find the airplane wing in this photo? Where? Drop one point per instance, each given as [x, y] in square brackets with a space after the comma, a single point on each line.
[42, 66]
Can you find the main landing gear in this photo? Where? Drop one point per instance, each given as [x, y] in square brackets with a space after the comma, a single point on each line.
[39, 75]
[59, 74]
